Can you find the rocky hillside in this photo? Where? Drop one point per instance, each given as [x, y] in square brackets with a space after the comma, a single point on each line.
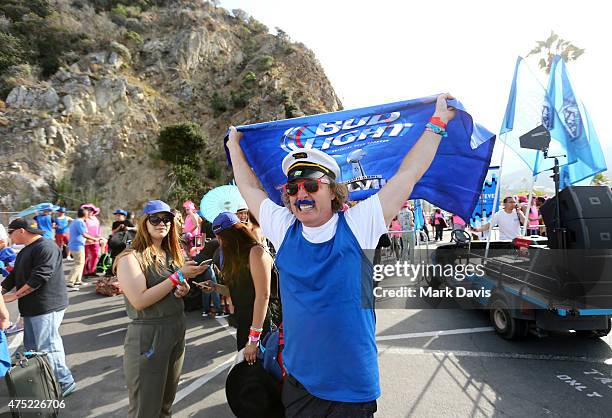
[86, 87]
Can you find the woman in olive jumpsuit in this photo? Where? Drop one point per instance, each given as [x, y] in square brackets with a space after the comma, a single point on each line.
[152, 275]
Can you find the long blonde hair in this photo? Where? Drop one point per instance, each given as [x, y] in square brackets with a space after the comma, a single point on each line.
[143, 244]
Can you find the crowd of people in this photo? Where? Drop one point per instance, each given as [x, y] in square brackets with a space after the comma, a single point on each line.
[315, 243]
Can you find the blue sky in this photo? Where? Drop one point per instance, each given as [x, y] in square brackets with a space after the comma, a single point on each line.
[383, 51]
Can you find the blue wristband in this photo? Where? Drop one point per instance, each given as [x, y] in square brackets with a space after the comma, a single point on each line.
[436, 129]
[181, 278]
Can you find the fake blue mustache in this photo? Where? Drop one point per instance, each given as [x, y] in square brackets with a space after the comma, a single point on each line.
[304, 202]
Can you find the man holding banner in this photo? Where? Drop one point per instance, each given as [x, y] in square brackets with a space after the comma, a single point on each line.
[330, 349]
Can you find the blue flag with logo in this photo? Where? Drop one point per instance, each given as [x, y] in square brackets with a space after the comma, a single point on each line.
[573, 121]
[370, 143]
[487, 205]
[529, 107]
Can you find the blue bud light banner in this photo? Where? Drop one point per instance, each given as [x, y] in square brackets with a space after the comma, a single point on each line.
[486, 205]
[370, 143]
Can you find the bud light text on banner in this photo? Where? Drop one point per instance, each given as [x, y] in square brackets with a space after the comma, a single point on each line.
[369, 145]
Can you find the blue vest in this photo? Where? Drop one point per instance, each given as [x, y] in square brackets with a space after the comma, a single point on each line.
[328, 315]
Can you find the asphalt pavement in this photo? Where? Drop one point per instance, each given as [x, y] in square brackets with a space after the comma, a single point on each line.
[433, 363]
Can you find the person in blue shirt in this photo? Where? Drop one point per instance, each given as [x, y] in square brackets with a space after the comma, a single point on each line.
[7, 257]
[45, 223]
[76, 246]
[60, 223]
[330, 353]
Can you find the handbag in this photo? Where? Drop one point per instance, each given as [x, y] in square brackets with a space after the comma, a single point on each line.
[271, 353]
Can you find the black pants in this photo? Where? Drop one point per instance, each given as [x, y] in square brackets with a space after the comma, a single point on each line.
[439, 231]
[301, 404]
[426, 231]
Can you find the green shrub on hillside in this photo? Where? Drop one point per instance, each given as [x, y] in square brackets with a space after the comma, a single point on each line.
[17, 9]
[239, 99]
[217, 102]
[213, 171]
[12, 52]
[249, 79]
[120, 10]
[181, 143]
[265, 62]
[134, 37]
[256, 26]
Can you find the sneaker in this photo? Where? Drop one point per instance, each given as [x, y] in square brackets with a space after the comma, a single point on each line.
[204, 314]
[222, 315]
[14, 328]
[72, 287]
[71, 388]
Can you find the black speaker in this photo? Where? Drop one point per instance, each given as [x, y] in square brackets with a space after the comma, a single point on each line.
[586, 213]
[589, 233]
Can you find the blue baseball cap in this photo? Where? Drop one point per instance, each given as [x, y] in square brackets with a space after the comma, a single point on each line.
[223, 221]
[61, 210]
[155, 206]
[120, 212]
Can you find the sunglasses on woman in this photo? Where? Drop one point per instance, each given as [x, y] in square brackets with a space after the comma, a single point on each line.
[310, 186]
[156, 220]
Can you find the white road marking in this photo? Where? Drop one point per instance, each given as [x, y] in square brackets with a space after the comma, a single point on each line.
[213, 373]
[203, 380]
[224, 324]
[113, 331]
[487, 354]
[434, 333]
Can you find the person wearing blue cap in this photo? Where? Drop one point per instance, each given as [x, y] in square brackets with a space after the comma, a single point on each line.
[60, 224]
[330, 352]
[44, 221]
[122, 232]
[153, 276]
[121, 222]
[246, 268]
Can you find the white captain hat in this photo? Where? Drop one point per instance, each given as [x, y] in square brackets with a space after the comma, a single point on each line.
[310, 163]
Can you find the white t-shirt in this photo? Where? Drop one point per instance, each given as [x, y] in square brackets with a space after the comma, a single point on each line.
[365, 220]
[509, 224]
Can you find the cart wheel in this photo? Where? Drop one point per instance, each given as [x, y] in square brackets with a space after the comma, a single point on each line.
[505, 325]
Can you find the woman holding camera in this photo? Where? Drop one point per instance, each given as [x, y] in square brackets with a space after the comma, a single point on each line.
[247, 270]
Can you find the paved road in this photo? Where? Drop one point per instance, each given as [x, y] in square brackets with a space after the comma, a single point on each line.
[466, 372]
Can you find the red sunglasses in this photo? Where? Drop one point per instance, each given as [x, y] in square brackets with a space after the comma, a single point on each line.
[310, 186]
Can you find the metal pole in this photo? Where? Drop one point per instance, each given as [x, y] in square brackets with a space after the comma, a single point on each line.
[496, 198]
[524, 228]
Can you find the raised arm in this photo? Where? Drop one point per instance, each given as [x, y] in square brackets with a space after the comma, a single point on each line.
[247, 182]
[413, 166]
